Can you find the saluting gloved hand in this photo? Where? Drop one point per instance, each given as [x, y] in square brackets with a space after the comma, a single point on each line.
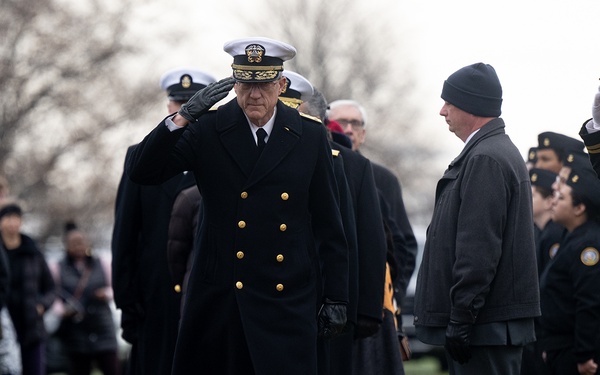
[366, 326]
[596, 110]
[458, 340]
[331, 319]
[202, 100]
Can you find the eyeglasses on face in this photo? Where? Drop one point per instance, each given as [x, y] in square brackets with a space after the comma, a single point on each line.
[353, 123]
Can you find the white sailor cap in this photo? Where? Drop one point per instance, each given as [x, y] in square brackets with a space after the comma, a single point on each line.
[296, 90]
[181, 83]
[258, 59]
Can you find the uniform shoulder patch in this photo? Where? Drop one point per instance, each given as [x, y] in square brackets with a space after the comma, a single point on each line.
[335, 153]
[590, 256]
[310, 117]
[553, 250]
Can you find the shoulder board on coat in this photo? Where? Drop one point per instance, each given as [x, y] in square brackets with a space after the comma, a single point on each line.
[335, 153]
[311, 117]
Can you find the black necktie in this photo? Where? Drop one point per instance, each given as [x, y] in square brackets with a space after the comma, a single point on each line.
[261, 134]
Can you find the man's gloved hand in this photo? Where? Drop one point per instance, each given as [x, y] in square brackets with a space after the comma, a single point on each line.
[331, 319]
[365, 327]
[202, 100]
[596, 110]
[130, 318]
[457, 341]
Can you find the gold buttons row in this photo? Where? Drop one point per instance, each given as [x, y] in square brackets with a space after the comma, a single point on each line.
[240, 285]
[242, 225]
[241, 255]
[284, 196]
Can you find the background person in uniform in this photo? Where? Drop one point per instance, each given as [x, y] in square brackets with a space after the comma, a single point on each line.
[365, 310]
[570, 296]
[590, 133]
[552, 148]
[548, 236]
[477, 288]
[87, 328]
[271, 215]
[31, 289]
[531, 158]
[142, 284]
[353, 118]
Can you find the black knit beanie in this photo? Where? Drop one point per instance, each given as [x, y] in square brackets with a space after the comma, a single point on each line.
[11, 209]
[475, 89]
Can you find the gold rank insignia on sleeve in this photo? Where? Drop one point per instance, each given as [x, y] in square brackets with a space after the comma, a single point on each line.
[590, 256]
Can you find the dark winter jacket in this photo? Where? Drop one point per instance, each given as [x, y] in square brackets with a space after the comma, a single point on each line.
[31, 284]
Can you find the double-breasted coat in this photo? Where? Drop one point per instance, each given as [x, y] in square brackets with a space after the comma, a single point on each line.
[269, 219]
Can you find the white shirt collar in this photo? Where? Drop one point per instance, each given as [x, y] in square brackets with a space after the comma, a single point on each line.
[268, 126]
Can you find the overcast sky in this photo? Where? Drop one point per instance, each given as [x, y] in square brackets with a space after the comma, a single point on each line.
[546, 54]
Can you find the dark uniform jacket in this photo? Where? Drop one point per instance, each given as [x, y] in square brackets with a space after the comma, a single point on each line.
[479, 261]
[592, 143]
[141, 281]
[547, 243]
[263, 216]
[570, 295]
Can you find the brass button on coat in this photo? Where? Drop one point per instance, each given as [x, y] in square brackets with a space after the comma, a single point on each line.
[241, 224]
[279, 287]
[240, 254]
[282, 227]
[177, 288]
[239, 285]
[279, 258]
[285, 196]
[244, 195]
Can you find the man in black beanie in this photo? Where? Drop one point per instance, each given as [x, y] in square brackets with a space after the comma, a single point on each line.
[477, 290]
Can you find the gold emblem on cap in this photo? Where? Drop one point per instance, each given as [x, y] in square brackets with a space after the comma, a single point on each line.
[534, 177]
[546, 142]
[531, 155]
[186, 81]
[590, 256]
[570, 158]
[255, 53]
[574, 179]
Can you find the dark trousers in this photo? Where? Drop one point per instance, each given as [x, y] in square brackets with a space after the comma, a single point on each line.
[489, 360]
[33, 358]
[81, 363]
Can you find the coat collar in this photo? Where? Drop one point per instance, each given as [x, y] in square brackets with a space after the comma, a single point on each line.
[235, 134]
[494, 127]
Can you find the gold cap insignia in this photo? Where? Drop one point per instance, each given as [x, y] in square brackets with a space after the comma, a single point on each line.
[590, 256]
[546, 142]
[186, 81]
[534, 177]
[531, 155]
[255, 52]
[570, 158]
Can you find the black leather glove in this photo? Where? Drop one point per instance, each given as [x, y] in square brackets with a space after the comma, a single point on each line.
[458, 340]
[331, 319]
[202, 100]
[365, 327]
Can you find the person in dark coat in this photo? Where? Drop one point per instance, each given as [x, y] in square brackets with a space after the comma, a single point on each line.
[271, 216]
[142, 285]
[570, 296]
[477, 288]
[31, 289]
[590, 134]
[183, 226]
[353, 118]
[87, 328]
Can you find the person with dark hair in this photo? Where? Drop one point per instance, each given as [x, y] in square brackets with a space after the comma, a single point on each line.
[31, 289]
[477, 289]
[10, 354]
[570, 297]
[552, 149]
[87, 329]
